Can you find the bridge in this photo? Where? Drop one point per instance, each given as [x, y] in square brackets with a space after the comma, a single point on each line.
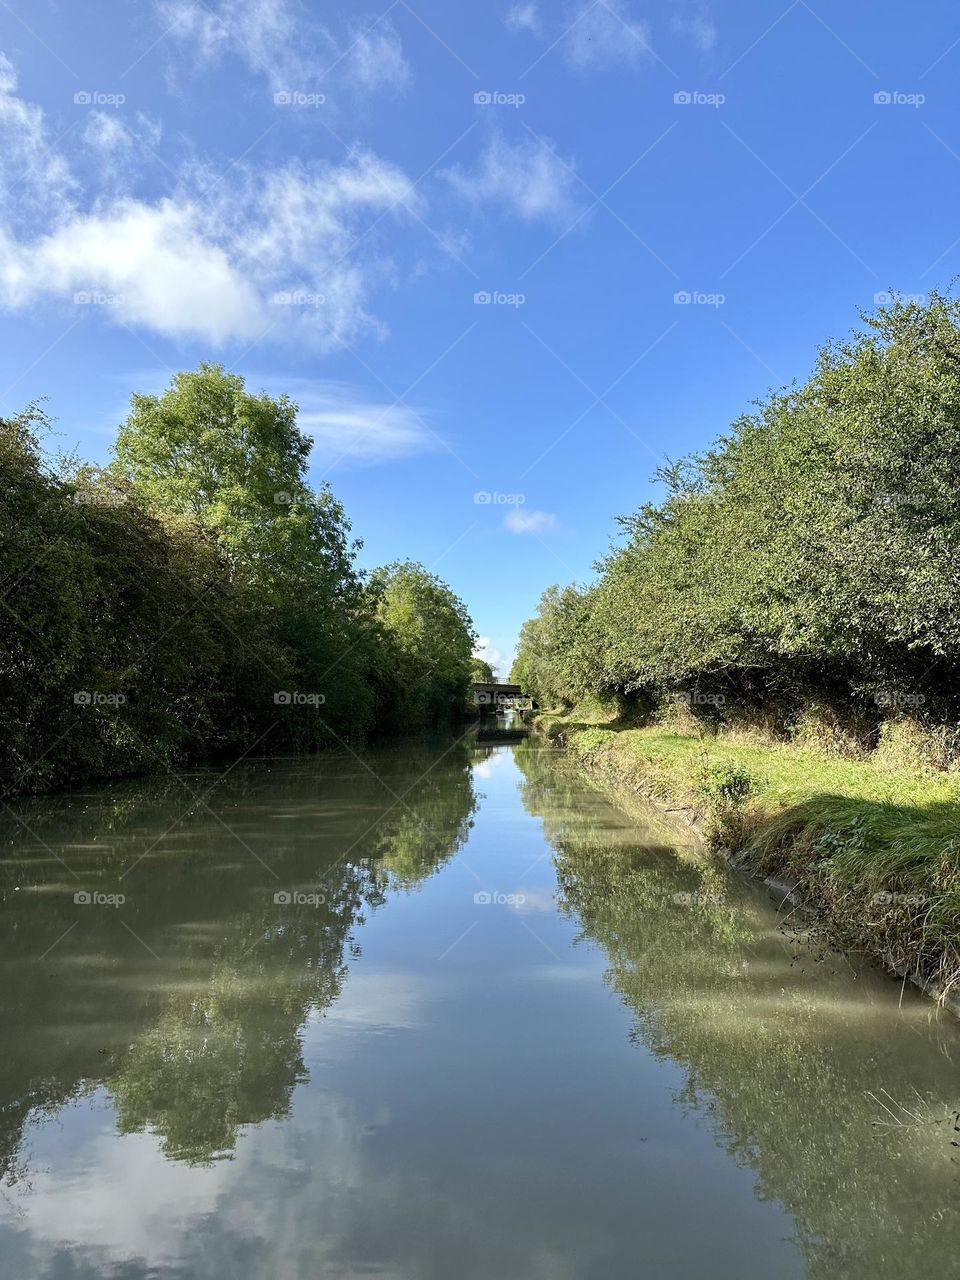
[500, 695]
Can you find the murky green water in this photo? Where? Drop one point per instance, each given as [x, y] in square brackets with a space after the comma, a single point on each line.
[442, 1013]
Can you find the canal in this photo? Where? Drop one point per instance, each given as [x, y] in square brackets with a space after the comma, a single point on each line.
[440, 1011]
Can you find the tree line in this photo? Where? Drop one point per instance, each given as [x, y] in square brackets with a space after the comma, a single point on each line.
[197, 598]
[808, 562]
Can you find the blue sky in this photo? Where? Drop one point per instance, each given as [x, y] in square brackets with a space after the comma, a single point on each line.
[457, 233]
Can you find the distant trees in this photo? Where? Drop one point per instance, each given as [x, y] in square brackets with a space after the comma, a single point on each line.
[431, 636]
[196, 597]
[812, 553]
[481, 672]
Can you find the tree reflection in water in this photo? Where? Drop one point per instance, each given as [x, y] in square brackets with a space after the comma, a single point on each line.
[187, 1002]
[803, 1066]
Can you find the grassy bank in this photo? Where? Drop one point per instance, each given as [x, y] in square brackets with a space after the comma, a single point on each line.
[872, 848]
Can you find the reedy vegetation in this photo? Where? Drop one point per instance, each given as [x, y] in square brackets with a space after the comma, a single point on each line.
[197, 598]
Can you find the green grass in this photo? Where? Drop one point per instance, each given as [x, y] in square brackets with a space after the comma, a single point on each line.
[874, 850]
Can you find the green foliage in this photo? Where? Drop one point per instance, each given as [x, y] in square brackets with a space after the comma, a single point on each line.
[809, 556]
[432, 640]
[875, 850]
[481, 672]
[725, 783]
[196, 598]
[555, 655]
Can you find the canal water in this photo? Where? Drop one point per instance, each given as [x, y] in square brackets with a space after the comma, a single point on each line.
[439, 1011]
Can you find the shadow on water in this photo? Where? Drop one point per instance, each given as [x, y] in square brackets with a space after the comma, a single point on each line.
[241, 901]
[811, 1071]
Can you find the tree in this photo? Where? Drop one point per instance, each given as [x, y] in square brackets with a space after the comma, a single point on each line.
[481, 672]
[432, 636]
[235, 464]
[808, 557]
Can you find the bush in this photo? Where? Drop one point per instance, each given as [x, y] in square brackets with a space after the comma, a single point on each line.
[805, 564]
[197, 598]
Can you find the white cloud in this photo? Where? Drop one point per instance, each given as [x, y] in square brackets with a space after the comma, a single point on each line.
[33, 176]
[268, 254]
[264, 33]
[146, 265]
[118, 144]
[594, 33]
[282, 251]
[280, 40]
[376, 59]
[604, 33]
[487, 651]
[351, 429]
[519, 521]
[104, 132]
[527, 177]
[700, 30]
[523, 17]
[485, 769]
